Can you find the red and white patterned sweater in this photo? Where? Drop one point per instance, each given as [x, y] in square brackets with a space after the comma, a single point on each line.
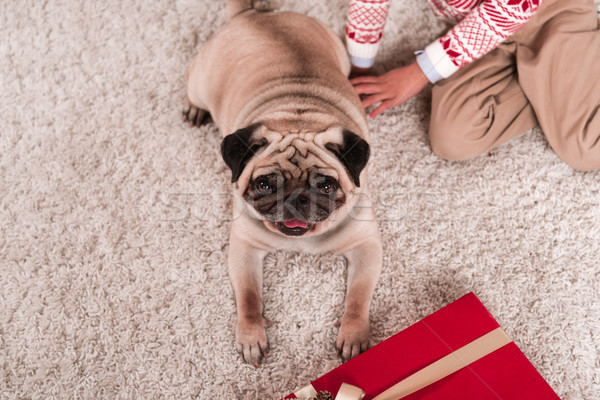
[481, 26]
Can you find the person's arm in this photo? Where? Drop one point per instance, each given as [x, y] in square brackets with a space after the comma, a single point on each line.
[479, 32]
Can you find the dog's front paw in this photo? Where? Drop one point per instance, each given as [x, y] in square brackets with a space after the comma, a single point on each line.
[252, 341]
[353, 337]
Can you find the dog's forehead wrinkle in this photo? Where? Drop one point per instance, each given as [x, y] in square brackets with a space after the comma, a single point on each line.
[289, 152]
[302, 146]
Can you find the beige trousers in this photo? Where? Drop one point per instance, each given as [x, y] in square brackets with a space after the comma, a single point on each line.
[547, 74]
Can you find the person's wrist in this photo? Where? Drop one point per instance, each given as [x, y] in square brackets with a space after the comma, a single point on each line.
[418, 72]
[426, 67]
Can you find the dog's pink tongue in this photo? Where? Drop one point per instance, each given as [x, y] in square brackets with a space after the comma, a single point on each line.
[295, 223]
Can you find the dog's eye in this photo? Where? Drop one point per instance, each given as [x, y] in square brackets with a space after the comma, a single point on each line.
[263, 187]
[327, 186]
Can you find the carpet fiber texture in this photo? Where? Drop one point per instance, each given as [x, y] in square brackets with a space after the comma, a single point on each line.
[114, 221]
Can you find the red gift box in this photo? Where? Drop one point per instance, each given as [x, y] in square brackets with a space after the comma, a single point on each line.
[458, 352]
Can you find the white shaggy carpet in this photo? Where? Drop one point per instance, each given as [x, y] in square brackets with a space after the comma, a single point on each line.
[114, 221]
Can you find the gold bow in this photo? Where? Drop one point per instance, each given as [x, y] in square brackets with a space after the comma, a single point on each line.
[346, 392]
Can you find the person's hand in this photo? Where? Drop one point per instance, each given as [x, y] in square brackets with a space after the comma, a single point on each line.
[390, 89]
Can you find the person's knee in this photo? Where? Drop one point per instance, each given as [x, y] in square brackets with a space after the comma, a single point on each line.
[576, 140]
[447, 149]
[584, 166]
[581, 158]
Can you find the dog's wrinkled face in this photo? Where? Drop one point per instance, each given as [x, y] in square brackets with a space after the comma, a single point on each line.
[295, 182]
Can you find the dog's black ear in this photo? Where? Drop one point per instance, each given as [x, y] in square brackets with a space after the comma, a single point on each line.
[353, 153]
[238, 147]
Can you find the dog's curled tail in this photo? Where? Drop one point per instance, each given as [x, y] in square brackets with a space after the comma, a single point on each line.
[235, 7]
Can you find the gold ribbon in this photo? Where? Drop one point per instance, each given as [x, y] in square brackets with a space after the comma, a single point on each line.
[434, 372]
[448, 365]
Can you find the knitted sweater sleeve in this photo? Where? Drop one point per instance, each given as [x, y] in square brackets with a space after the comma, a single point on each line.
[364, 27]
[488, 24]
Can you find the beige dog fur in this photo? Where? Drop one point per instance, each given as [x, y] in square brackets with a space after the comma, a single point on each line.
[281, 80]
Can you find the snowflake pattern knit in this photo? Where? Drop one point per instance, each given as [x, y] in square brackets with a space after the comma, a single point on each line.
[481, 26]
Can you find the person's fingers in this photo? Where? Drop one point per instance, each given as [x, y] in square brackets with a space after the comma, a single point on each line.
[366, 88]
[374, 99]
[364, 79]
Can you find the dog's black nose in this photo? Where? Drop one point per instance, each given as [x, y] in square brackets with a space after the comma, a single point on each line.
[298, 204]
[302, 200]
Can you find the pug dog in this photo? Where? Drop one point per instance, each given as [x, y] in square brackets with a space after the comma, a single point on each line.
[296, 141]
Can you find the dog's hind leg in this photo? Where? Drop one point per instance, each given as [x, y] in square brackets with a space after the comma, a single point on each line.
[193, 115]
[195, 111]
